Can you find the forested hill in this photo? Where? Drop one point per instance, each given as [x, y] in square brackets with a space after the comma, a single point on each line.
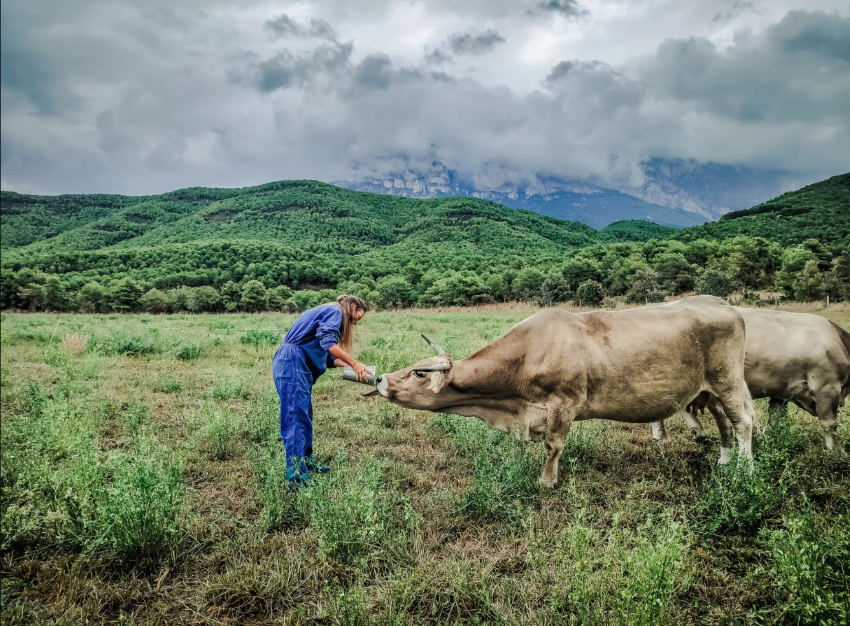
[104, 251]
[820, 211]
[309, 215]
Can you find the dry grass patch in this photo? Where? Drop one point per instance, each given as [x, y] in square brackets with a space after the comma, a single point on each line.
[74, 343]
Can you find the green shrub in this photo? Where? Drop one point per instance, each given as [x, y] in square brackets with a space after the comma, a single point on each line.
[189, 352]
[280, 506]
[141, 513]
[357, 517]
[739, 499]
[621, 576]
[260, 338]
[810, 569]
[505, 481]
[228, 389]
[264, 420]
[135, 415]
[223, 433]
[126, 345]
[55, 357]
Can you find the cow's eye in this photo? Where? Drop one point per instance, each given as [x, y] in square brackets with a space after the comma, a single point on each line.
[418, 374]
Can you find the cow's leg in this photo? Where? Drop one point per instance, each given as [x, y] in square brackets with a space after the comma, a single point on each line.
[827, 408]
[694, 423]
[776, 411]
[739, 409]
[659, 433]
[560, 420]
[727, 438]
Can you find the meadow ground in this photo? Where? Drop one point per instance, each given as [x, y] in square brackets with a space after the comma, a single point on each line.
[142, 483]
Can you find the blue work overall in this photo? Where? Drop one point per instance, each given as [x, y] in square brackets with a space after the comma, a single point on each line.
[299, 361]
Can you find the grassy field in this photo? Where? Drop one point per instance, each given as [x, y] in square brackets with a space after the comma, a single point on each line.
[142, 483]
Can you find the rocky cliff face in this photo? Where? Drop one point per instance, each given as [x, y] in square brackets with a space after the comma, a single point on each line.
[678, 193]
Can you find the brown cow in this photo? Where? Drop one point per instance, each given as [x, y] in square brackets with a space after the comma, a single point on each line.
[791, 357]
[555, 367]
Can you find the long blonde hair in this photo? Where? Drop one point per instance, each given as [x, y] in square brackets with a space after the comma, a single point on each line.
[346, 333]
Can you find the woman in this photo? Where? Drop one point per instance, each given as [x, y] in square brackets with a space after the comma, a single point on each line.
[319, 339]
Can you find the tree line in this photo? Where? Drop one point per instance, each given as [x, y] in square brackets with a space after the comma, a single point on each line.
[634, 271]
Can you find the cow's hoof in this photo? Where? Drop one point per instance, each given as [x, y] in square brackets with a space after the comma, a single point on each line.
[702, 439]
[662, 441]
[548, 482]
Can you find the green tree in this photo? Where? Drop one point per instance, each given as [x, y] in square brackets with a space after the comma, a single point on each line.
[809, 283]
[306, 299]
[153, 301]
[498, 285]
[590, 293]
[716, 282]
[456, 289]
[392, 292]
[527, 283]
[124, 296]
[54, 297]
[579, 269]
[554, 289]
[283, 292]
[91, 298]
[178, 299]
[645, 286]
[32, 294]
[793, 261]
[231, 296]
[204, 299]
[254, 296]
[675, 274]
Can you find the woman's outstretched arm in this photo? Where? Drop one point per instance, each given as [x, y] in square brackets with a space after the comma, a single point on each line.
[340, 355]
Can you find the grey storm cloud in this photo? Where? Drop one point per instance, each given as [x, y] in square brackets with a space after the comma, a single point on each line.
[738, 7]
[474, 43]
[283, 26]
[567, 8]
[464, 44]
[285, 70]
[161, 95]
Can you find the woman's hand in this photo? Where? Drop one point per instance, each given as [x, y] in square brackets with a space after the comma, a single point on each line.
[360, 371]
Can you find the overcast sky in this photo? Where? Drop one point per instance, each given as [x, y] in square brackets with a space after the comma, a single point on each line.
[144, 97]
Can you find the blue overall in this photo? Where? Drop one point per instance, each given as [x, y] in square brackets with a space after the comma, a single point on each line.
[299, 361]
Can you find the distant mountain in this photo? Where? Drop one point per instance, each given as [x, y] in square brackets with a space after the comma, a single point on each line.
[672, 193]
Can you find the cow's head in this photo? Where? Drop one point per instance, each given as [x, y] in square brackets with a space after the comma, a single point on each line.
[420, 385]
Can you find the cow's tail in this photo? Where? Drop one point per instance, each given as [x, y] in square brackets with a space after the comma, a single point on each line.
[845, 339]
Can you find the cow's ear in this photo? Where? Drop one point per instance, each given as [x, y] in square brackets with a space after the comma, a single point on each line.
[440, 379]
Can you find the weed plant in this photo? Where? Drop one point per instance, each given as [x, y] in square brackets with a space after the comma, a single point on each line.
[260, 338]
[810, 568]
[739, 500]
[168, 385]
[188, 352]
[357, 517]
[223, 432]
[230, 389]
[280, 507]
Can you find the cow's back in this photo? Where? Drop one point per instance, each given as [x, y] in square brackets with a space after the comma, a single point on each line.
[637, 365]
[788, 354]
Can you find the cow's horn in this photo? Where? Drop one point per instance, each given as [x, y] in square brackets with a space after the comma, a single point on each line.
[436, 348]
[443, 366]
